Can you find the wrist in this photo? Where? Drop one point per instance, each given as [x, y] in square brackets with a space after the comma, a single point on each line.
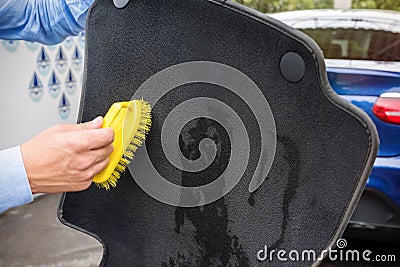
[25, 155]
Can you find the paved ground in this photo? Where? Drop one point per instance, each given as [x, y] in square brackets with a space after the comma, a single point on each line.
[32, 236]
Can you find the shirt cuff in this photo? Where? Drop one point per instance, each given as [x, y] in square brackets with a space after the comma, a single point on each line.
[14, 184]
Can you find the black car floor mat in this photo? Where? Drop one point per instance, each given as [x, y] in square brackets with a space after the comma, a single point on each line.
[249, 149]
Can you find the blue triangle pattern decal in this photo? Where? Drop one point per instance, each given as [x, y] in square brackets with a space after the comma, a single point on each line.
[10, 45]
[70, 83]
[61, 60]
[35, 88]
[54, 85]
[64, 107]
[43, 62]
[77, 59]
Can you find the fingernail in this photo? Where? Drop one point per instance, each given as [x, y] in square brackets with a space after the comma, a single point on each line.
[112, 134]
[98, 120]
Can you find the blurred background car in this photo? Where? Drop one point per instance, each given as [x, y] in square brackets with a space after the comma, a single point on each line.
[362, 51]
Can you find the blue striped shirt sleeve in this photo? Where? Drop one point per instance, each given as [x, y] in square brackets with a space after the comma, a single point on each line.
[14, 184]
[44, 21]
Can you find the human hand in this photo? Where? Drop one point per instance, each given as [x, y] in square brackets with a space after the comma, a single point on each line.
[66, 157]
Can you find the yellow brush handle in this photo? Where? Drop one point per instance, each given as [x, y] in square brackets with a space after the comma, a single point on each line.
[124, 118]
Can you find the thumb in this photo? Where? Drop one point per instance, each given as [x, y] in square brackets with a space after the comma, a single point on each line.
[94, 124]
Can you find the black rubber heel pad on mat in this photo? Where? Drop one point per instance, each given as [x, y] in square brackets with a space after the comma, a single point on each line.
[289, 180]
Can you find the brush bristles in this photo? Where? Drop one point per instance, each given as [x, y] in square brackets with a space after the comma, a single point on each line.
[129, 153]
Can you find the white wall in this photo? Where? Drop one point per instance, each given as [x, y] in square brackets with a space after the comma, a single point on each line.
[23, 113]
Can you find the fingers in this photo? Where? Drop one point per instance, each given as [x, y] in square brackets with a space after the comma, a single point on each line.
[70, 154]
[99, 138]
[94, 124]
[96, 137]
[91, 140]
[97, 168]
[86, 136]
[89, 174]
[102, 154]
[87, 160]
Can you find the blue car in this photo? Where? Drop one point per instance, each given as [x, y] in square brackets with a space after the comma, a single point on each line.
[362, 51]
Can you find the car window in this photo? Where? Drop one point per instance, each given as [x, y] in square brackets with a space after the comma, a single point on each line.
[340, 43]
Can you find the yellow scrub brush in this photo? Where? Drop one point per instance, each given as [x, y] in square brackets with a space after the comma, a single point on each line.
[131, 122]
